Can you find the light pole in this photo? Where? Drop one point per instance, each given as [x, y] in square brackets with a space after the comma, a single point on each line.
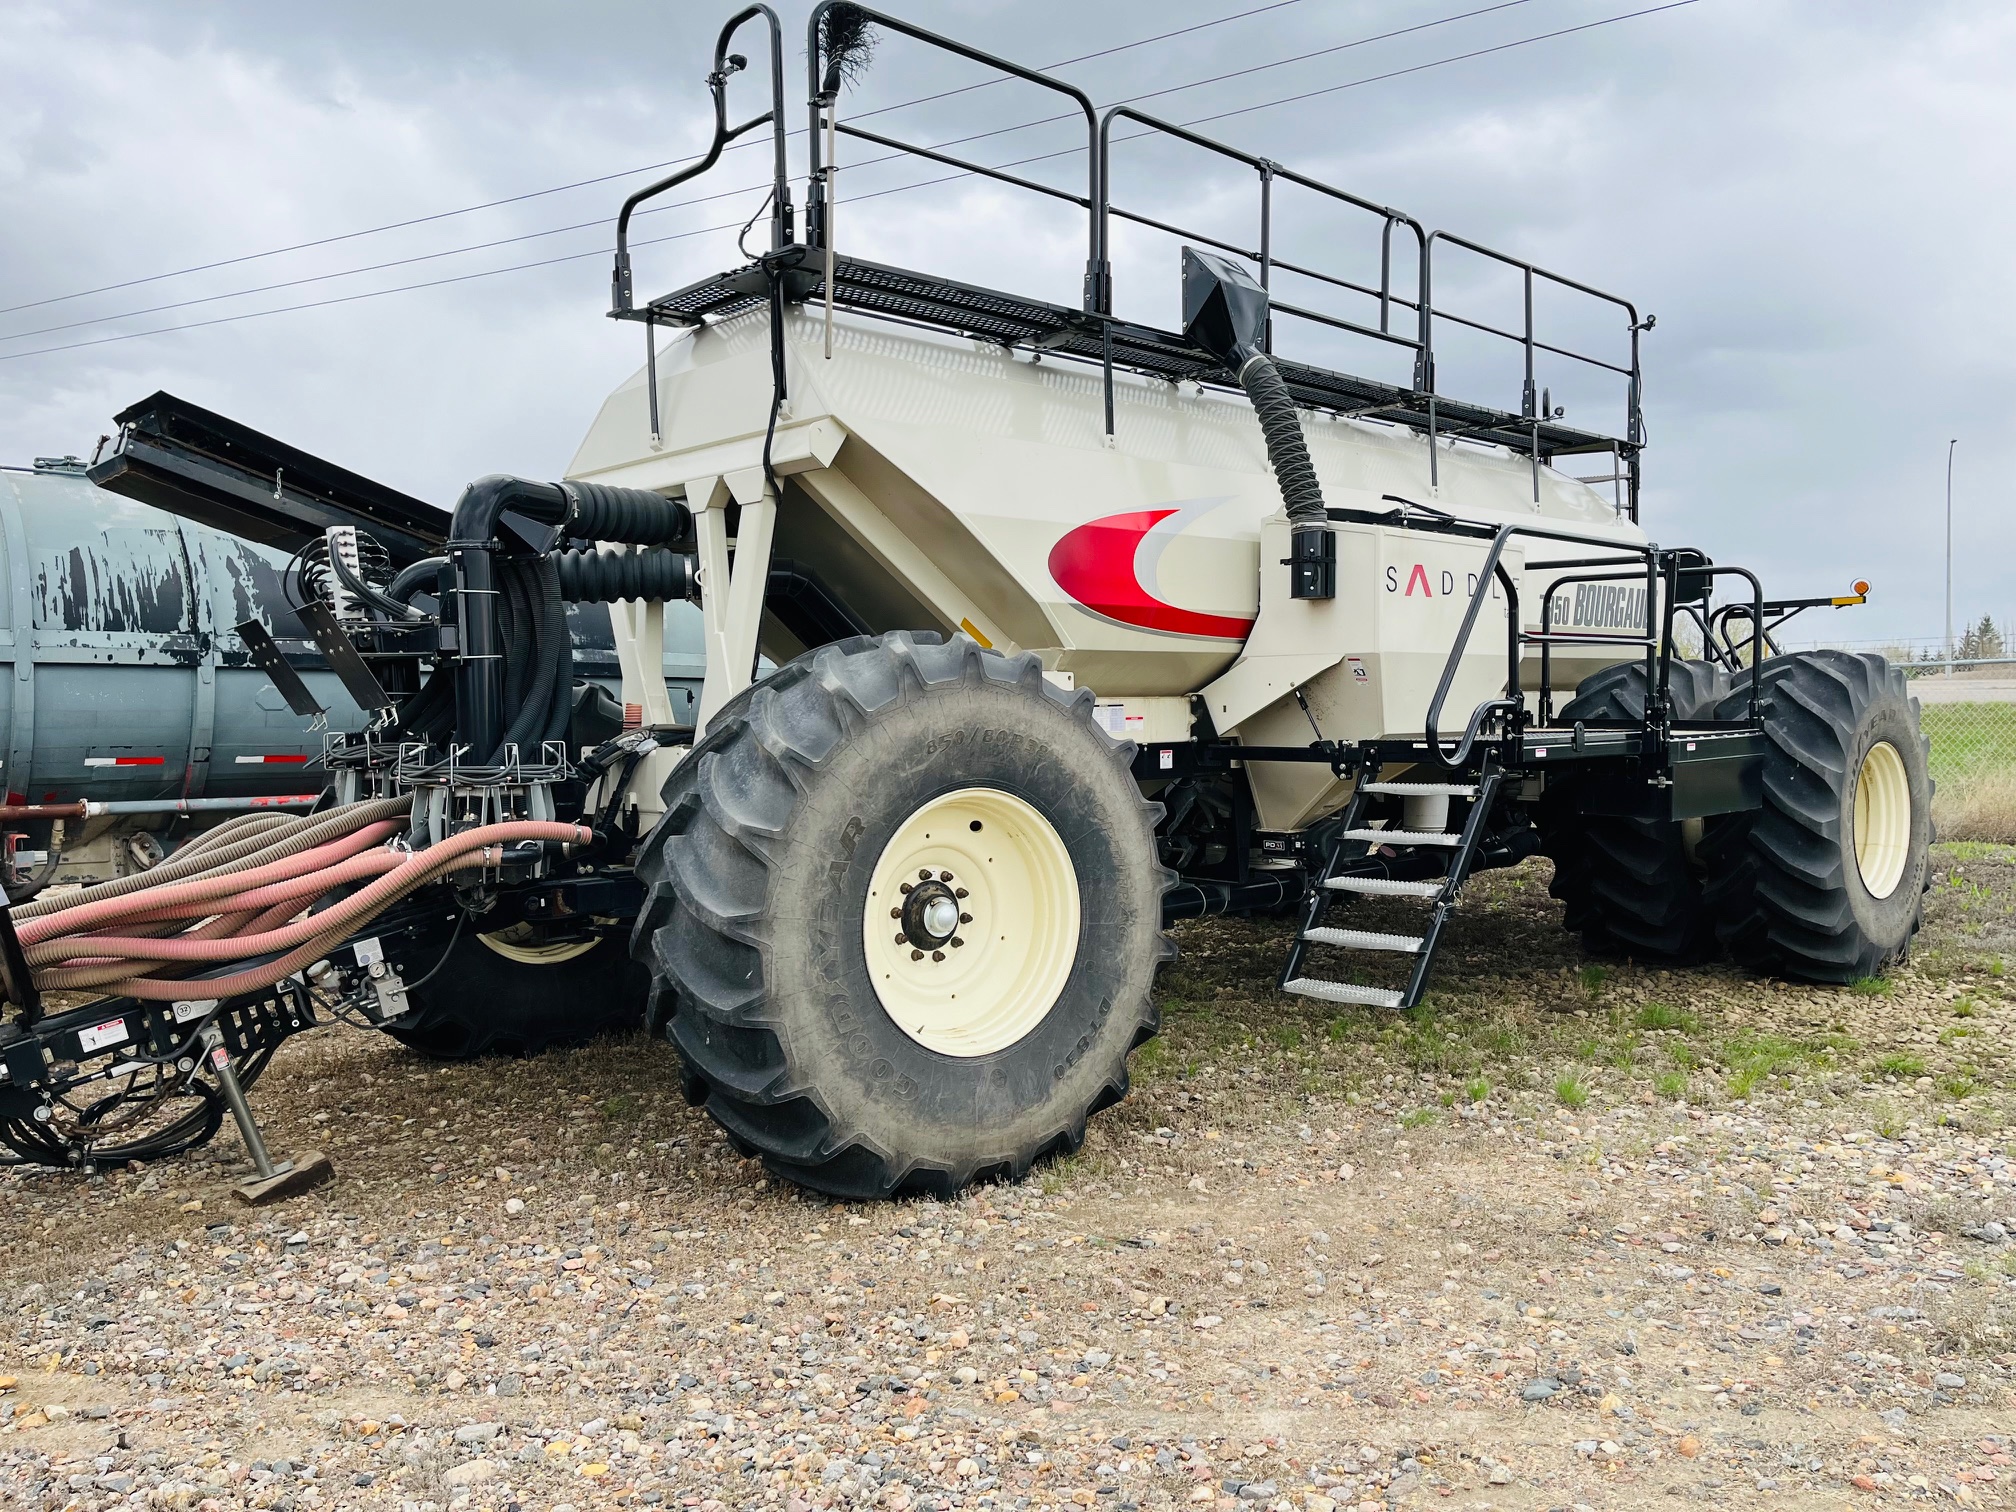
[1949, 553]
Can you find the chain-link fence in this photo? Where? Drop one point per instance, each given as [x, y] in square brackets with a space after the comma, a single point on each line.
[1968, 712]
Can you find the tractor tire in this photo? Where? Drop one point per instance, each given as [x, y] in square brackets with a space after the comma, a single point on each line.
[1826, 882]
[491, 996]
[1629, 886]
[903, 786]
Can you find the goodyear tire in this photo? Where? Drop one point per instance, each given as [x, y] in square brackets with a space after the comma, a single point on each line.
[1630, 886]
[503, 996]
[903, 786]
[1826, 882]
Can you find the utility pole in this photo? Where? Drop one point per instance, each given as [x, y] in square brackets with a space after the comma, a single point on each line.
[1949, 552]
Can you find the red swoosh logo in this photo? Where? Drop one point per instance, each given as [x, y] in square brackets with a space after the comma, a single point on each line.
[1094, 564]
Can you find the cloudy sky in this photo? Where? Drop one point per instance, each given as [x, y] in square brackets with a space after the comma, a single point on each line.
[1814, 199]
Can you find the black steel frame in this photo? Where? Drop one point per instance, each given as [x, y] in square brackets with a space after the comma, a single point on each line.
[1091, 332]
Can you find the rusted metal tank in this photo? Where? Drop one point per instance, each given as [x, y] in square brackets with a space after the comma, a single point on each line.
[123, 678]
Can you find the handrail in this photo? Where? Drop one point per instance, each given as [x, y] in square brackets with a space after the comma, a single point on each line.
[1529, 402]
[822, 99]
[1513, 701]
[842, 24]
[1269, 170]
[725, 66]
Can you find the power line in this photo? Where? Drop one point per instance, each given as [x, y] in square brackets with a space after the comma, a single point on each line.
[514, 199]
[752, 188]
[857, 199]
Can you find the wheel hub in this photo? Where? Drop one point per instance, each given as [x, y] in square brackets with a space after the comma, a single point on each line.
[931, 913]
[971, 923]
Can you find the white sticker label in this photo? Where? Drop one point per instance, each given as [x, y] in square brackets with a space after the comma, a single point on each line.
[1112, 717]
[192, 1008]
[112, 1032]
[1168, 760]
[369, 952]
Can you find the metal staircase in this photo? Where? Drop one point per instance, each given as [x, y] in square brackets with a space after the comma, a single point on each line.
[1354, 866]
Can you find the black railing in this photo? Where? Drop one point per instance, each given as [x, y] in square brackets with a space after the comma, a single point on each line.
[1404, 320]
[1263, 256]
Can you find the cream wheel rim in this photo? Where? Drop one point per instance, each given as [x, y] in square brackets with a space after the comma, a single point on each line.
[1882, 819]
[513, 944]
[971, 924]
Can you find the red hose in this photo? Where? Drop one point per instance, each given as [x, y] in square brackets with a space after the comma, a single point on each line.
[387, 887]
[371, 864]
[311, 937]
[122, 909]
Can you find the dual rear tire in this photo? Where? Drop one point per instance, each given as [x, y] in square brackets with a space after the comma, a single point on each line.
[1823, 883]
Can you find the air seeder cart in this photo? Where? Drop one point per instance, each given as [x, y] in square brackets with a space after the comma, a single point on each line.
[1080, 625]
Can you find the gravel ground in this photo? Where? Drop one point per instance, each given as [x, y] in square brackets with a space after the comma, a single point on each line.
[1576, 1235]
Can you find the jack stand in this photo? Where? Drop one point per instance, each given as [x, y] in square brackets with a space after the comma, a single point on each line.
[273, 1182]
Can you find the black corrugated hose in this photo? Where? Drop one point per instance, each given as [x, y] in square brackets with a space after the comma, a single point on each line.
[1294, 473]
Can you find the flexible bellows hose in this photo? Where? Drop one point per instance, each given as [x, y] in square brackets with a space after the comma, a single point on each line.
[1294, 473]
[599, 512]
[606, 577]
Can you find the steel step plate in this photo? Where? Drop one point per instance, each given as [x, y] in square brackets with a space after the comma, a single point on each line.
[1385, 887]
[1363, 939]
[1344, 992]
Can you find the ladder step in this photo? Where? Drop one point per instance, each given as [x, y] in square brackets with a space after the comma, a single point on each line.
[1344, 992]
[1385, 887]
[1403, 837]
[1422, 789]
[1363, 939]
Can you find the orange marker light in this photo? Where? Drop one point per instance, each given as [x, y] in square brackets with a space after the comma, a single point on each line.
[1861, 587]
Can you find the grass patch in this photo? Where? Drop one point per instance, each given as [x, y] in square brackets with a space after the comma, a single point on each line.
[1419, 1118]
[1666, 1016]
[1477, 1089]
[1872, 987]
[1671, 1085]
[1959, 1086]
[1965, 1008]
[1571, 1092]
[1592, 978]
[1900, 1065]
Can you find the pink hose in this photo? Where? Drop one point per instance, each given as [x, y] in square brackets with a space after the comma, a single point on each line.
[256, 899]
[387, 887]
[150, 989]
[119, 910]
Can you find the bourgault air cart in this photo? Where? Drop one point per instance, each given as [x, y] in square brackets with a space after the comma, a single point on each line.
[1078, 627]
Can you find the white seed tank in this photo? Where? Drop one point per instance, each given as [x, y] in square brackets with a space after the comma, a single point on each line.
[936, 482]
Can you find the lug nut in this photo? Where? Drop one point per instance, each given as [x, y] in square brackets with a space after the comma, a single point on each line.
[906, 887]
[944, 876]
[958, 892]
[965, 918]
[916, 955]
[957, 942]
[924, 874]
[895, 913]
[901, 938]
[937, 955]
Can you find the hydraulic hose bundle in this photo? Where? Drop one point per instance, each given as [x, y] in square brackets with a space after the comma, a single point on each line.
[238, 895]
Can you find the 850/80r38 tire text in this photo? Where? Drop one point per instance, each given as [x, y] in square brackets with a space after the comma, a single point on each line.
[903, 916]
